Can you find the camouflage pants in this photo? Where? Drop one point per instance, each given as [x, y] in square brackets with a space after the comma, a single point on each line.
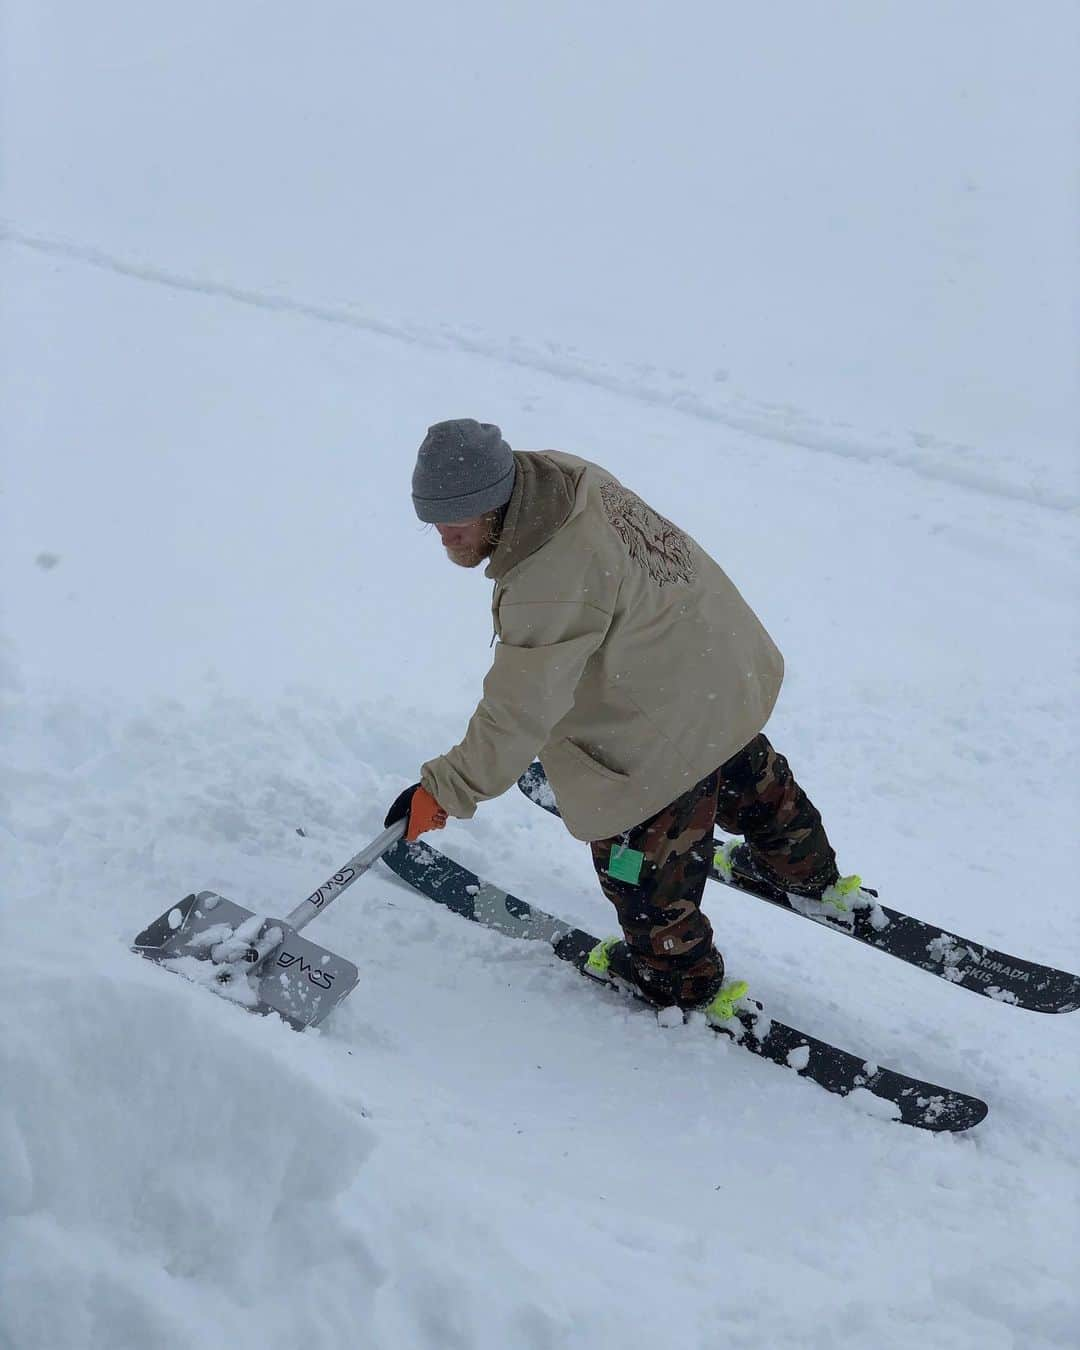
[760, 799]
[670, 941]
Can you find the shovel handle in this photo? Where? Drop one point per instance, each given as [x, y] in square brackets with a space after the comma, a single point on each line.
[344, 877]
[315, 903]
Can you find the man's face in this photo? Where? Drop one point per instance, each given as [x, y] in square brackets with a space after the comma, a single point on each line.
[469, 542]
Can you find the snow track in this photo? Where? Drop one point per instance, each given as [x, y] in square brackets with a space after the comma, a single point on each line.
[928, 456]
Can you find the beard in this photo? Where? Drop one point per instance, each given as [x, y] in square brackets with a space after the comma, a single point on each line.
[472, 555]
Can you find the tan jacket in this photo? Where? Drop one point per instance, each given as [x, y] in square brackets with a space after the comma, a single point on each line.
[626, 658]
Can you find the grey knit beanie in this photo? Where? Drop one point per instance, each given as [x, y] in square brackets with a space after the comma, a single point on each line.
[463, 469]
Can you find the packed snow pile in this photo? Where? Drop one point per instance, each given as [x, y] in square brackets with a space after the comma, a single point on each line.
[176, 1174]
[156, 1146]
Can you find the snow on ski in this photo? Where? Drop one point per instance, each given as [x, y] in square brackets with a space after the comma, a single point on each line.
[909, 1100]
[970, 965]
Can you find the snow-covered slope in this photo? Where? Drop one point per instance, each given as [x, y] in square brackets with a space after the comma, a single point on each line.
[223, 625]
[234, 628]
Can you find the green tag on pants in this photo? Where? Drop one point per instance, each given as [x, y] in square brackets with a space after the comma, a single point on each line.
[625, 864]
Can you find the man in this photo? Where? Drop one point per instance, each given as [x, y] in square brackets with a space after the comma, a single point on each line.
[630, 663]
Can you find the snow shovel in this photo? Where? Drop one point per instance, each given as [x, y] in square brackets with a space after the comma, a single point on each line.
[263, 964]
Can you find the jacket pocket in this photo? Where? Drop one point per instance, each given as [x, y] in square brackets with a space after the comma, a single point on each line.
[583, 757]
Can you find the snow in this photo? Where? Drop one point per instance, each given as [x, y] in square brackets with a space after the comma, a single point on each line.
[806, 285]
[863, 1101]
[799, 1058]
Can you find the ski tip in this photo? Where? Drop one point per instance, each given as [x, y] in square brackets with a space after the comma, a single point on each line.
[950, 1113]
[922, 1106]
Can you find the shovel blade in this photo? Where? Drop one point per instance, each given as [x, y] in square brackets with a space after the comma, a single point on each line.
[300, 981]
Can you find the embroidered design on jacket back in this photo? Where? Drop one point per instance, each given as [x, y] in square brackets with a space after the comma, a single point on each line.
[651, 541]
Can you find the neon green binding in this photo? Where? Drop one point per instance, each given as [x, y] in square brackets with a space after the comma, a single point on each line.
[724, 1006]
[836, 895]
[722, 857]
[598, 962]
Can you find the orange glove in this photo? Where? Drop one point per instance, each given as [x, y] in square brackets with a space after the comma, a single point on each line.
[422, 810]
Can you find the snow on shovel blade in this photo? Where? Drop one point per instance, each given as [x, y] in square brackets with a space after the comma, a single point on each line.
[299, 980]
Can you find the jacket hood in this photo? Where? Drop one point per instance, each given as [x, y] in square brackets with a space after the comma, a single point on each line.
[540, 505]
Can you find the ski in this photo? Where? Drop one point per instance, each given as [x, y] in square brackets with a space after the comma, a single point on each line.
[994, 974]
[909, 1100]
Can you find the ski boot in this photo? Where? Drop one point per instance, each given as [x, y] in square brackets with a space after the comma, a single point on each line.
[611, 962]
[838, 900]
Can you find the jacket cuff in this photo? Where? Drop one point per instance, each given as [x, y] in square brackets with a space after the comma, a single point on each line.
[448, 788]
